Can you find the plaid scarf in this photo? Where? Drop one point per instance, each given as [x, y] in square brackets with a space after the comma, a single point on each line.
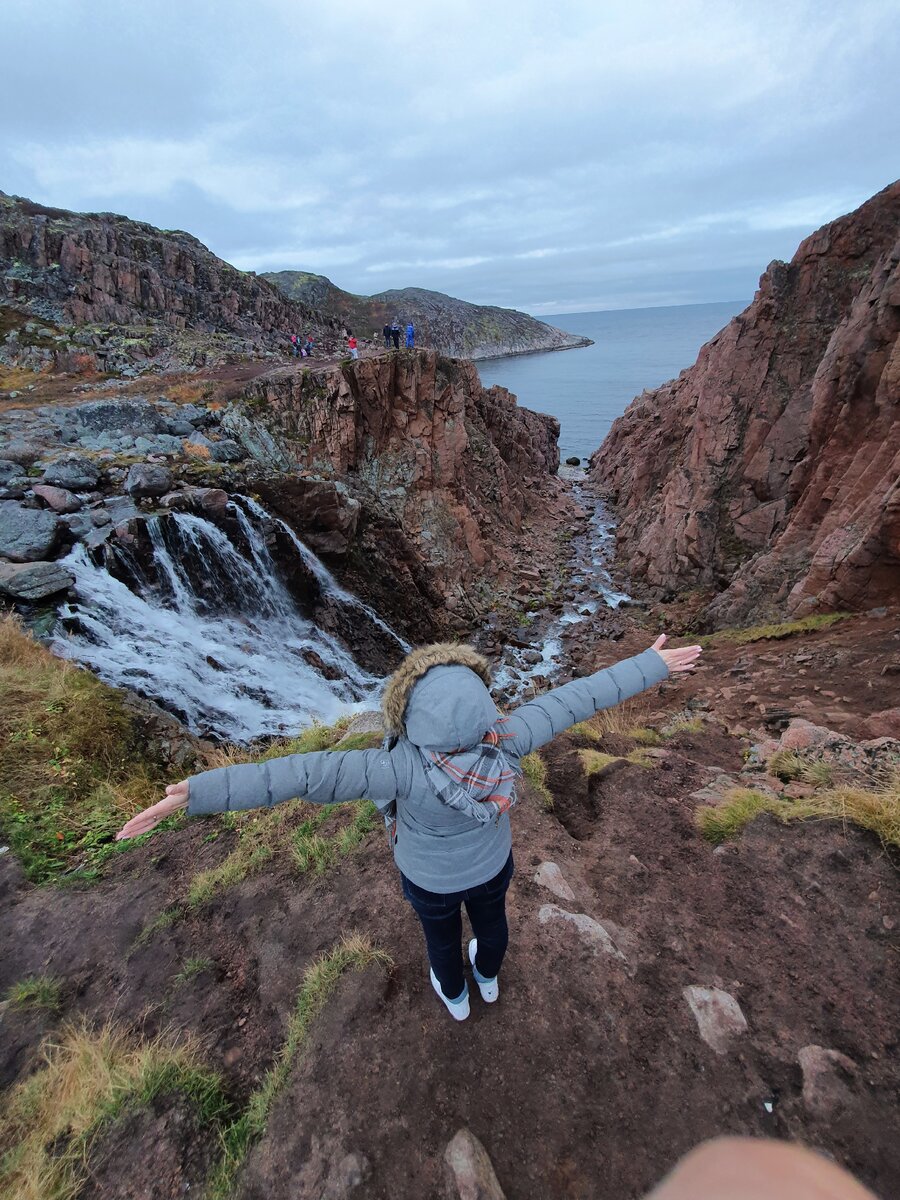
[478, 782]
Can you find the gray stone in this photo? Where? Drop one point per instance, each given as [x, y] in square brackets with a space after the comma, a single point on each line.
[120, 509]
[78, 524]
[469, 1173]
[178, 427]
[59, 499]
[718, 1015]
[148, 479]
[21, 452]
[101, 516]
[364, 722]
[9, 470]
[345, 1177]
[118, 417]
[227, 451]
[26, 534]
[74, 472]
[162, 443]
[595, 935]
[825, 1074]
[33, 581]
[548, 875]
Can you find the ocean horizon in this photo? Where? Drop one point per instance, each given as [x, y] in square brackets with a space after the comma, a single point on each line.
[587, 388]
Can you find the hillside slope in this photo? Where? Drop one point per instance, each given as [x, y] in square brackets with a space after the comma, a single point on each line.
[770, 471]
[443, 323]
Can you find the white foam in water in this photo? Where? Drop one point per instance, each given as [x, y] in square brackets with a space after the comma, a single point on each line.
[233, 675]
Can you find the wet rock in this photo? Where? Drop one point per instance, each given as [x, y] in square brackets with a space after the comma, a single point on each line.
[549, 875]
[27, 534]
[212, 501]
[595, 935]
[59, 499]
[718, 1015]
[148, 479]
[74, 472]
[469, 1174]
[572, 461]
[825, 1076]
[33, 581]
[100, 517]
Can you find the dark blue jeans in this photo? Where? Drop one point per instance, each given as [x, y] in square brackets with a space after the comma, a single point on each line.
[441, 919]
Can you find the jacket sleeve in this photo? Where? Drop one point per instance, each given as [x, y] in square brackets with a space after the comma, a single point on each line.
[539, 721]
[320, 776]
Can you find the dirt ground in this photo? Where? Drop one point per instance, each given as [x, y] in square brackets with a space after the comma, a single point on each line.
[589, 1078]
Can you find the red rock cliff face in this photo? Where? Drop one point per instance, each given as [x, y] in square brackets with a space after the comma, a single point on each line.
[466, 475]
[94, 268]
[769, 470]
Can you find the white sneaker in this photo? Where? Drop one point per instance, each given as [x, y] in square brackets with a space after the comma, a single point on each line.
[490, 989]
[458, 1011]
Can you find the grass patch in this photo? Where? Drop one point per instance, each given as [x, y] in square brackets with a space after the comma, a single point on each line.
[595, 761]
[53, 1118]
[320, 980]
[535, 771]
[694, 725]
[39, 991]
[192, 968]
[164, 920]
[789, 766]
[761, 633]
[74, 762]
[312, 851]
[644, 736]
[878, 812]
[586, 731]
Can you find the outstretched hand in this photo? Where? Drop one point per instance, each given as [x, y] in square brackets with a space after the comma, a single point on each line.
[149, 818]
[682, 659]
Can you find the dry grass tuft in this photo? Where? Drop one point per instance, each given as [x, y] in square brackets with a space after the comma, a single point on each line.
[760, 633]
[74, 763]
[52, 1119]
[593, 762]
[535, 771]
[876, 811]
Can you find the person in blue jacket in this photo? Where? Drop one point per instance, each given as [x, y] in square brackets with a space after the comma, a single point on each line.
[445, 781]
[410, 336]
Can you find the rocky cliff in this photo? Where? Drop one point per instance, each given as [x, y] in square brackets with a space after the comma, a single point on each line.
[456, 470]
[769, 471]
[443, 323]
[96, 268]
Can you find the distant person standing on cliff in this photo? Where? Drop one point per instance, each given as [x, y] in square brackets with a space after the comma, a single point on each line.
[410, 336]
[387, 337]
[309, 345]
[444, 780]
[395, 334]
[352, 346]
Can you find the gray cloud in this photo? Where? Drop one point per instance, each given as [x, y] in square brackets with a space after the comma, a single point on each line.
[552, 158]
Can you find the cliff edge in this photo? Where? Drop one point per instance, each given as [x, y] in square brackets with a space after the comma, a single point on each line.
[768, 472]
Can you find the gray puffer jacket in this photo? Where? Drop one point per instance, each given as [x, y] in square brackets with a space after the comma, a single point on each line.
[448, 708]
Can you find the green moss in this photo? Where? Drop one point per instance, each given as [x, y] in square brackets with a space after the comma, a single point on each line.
[535, 771]
[759, 633]
[38, 991]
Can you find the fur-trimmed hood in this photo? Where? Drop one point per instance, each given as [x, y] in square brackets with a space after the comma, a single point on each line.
[451, 708]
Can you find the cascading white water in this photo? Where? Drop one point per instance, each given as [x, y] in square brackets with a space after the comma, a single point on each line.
[327, 581]
[215, 637]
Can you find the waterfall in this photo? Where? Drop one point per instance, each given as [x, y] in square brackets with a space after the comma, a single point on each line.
[212, 634]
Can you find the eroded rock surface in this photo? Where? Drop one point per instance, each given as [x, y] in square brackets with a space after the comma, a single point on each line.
[770, 471]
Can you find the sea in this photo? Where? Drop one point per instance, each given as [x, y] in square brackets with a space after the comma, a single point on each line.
[634, 349]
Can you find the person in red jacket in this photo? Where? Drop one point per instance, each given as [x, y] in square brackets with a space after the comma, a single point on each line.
[352, 344]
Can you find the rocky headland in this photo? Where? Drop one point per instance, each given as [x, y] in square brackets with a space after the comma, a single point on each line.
[454, 327]
[767, 476]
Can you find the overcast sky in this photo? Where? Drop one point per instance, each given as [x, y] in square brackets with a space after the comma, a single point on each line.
[566, 155]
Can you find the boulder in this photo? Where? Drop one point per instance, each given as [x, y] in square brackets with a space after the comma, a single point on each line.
[27, 534]
[148, 479]
[21, 452]
[33, 581]
[469, 1174]
[212, 501]
[227, 451]
[59, 499]
[595, 935]
[825, 1080]
[134, 416]
[9, 470]
[74, 472]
